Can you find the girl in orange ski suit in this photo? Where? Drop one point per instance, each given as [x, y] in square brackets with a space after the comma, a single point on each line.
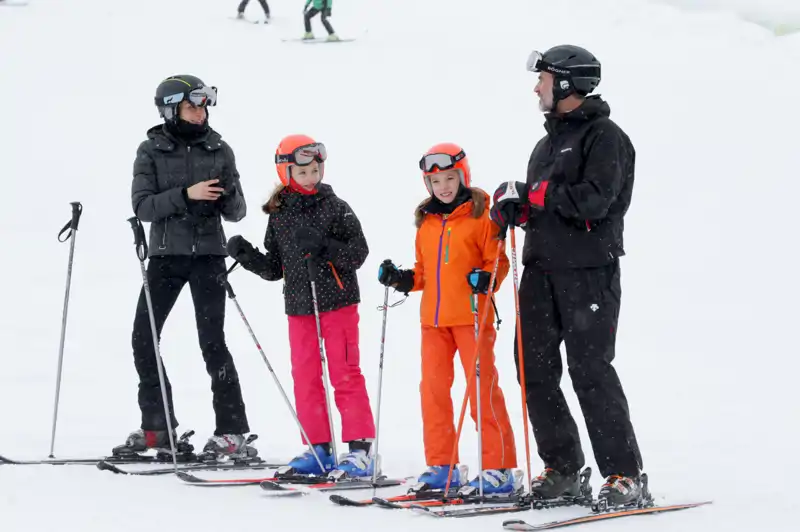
[452, 239]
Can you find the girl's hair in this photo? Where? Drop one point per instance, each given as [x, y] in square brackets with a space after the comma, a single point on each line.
[478, 206]
[274, 202]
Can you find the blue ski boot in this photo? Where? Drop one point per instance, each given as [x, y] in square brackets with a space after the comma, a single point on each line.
[306, 463]
[495, 481]
[435, 478]
[355, 464]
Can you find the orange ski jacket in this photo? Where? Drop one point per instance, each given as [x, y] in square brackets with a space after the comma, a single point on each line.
[448, 247]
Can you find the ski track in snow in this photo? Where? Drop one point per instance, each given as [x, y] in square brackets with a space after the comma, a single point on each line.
[706, 348]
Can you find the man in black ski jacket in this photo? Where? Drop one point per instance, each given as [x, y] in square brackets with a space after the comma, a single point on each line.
[578, 189]
[184, 183]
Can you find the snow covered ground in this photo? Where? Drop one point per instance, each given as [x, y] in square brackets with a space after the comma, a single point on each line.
[707, 345]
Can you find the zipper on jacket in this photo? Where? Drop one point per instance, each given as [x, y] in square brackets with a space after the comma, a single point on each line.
[189, 179]
[447, 247]
[164, 236]
[439, 274]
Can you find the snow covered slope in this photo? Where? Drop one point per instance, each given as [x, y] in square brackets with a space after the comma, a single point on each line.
[707, 344]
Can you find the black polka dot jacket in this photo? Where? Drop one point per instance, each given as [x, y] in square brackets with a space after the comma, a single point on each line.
[346, 251]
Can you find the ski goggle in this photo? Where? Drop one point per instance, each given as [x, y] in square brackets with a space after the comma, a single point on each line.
[304, 155]
[439, 161]
[536, 63]
[199, 97]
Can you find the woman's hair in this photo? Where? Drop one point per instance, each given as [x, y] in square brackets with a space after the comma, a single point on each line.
[478, 206]
[274, 202]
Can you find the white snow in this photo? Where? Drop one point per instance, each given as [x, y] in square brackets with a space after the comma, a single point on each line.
[707, 348]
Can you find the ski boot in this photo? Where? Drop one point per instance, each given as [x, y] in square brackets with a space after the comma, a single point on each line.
[306, 464]
[332, 37]
[623, 492]
[355, 464]
[435, 479]
[240, 15]
[551, 489]
[308, 36]
[495, 482]
[140, 441]
[233, 447]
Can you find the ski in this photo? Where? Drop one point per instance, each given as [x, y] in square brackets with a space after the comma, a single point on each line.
[318, 41]
[12, 4]
[261, 21]
[199, 466]
[129, 459]
[283, 486]
[220, 482]
[520, 525]
[390, 502]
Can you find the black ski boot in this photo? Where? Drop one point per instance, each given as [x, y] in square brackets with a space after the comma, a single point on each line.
[623, 492]
[234, 447]
[551, 489]
[140, 441]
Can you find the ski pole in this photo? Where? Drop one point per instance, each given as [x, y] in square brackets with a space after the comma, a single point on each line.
[140, 241]
[489, 294]
[520, 353]
[478, 395]
[72, 226]
[312, 274]
[385, 309]
[232, 296]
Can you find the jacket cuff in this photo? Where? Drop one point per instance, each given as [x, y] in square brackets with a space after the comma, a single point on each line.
[536, 195]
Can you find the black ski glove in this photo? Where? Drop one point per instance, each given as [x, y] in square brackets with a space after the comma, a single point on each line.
[310, 241]
[240, 249]
[511, 206]
[479, 281]
[400, 280]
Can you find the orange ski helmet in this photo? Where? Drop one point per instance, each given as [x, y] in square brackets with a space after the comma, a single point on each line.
[300, 150]
[442, 157]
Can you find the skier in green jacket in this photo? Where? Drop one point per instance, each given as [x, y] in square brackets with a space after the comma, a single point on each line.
[323, 7]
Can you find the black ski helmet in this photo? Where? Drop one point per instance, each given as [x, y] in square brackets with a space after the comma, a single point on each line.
[175, 89]
[575, 69]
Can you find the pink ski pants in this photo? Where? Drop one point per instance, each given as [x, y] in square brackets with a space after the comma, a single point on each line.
[340, 334]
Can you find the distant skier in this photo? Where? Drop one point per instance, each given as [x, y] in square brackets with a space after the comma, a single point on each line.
[578, 189]
[243, 6]
[185, 182]
[324, 9]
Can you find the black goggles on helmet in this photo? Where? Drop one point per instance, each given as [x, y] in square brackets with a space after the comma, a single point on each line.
[536, 63]
[304, 155]
[440, 161]
[198, 97]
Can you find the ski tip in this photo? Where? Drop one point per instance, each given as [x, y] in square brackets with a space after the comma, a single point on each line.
[102, 465]
[187, 477]
[345, 501]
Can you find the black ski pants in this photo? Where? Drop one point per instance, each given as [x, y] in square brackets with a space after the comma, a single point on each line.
[263, 3]
[166, 276]
[311, 13]
[579, 307]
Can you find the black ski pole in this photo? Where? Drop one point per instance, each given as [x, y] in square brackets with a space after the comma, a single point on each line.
[223, 279]
[71, 229]
[140, 241]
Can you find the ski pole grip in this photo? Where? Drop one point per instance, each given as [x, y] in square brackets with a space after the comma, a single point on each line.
[312, 267]
[139, 239]
[71, 225]
[77, 209]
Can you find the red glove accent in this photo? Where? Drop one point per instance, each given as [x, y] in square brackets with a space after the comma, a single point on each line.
[537, 193]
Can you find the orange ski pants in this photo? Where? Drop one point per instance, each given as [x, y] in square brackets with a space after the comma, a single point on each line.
[439, 345]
